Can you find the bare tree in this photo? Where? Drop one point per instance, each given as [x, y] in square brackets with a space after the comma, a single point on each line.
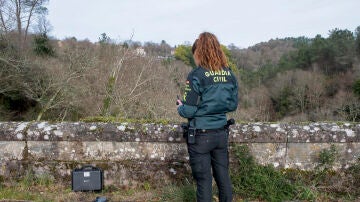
[53, 88]
[18, 15]
[43, 25]
[309, 90]
[122, 55]
[6, 19]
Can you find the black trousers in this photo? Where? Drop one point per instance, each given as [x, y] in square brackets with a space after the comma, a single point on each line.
[211, 152]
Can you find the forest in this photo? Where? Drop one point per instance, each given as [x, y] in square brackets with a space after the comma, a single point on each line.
[289, 79]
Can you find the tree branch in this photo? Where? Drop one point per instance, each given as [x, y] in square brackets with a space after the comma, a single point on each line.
[29, 18]
[139, 77]
[3, 20]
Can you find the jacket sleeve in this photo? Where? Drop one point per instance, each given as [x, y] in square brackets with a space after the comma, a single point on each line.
[191, 97]
[234, 96]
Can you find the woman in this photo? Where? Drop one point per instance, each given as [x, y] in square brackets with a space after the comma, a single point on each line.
[211, 91]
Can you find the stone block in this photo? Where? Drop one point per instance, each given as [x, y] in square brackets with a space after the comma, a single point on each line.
[140, 151]
[306, 156]
[111, 151]
[11, 150]
[269, 153]
[13, 131]
[324, 133]
[61, 151]
[12, 169]
[258, 133]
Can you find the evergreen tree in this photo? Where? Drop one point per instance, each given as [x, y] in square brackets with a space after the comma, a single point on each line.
[42, 46]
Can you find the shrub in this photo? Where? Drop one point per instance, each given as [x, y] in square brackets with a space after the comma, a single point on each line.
[351, 111]
[327, 157]
[255, 181]
[42, 46]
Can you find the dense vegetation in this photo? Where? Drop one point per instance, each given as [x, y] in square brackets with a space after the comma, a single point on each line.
[291, 79]
[316, 80]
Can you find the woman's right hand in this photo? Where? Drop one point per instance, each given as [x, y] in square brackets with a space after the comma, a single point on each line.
[179, 103]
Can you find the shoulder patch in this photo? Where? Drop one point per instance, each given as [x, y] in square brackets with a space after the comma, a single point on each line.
[190, 97]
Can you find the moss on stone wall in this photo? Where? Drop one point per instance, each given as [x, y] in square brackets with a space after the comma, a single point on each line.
[111, 119]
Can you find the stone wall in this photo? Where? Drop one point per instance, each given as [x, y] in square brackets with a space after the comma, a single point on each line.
[132, 153]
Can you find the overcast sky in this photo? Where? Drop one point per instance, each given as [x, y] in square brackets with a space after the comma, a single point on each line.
[243, 23]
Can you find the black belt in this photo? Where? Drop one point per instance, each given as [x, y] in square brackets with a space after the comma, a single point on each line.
[199, 131]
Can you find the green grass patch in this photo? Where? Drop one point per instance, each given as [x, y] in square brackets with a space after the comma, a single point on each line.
[178, 193]
[254, 181]
[15, 194]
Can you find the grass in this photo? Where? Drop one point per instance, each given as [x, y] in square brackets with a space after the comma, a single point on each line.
[62, 192]
[45, 189]
[178, 193]
[254, 181]
[57, 192]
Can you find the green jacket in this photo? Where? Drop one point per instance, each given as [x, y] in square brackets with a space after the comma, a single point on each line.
[208, 97]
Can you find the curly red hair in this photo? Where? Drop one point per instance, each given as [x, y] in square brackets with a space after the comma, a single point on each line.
[208, 53]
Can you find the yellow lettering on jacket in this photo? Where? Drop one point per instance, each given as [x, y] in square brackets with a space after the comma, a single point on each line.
[219, 79]
[215, 73]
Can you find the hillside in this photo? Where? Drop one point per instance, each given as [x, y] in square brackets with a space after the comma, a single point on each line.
[301, 79]
[292, 79]
[262, 53]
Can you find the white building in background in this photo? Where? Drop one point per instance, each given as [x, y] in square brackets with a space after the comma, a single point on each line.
[60, 44]
[140, 51]
[172, 53]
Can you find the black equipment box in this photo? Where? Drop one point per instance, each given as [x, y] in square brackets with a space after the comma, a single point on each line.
[87, 178]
